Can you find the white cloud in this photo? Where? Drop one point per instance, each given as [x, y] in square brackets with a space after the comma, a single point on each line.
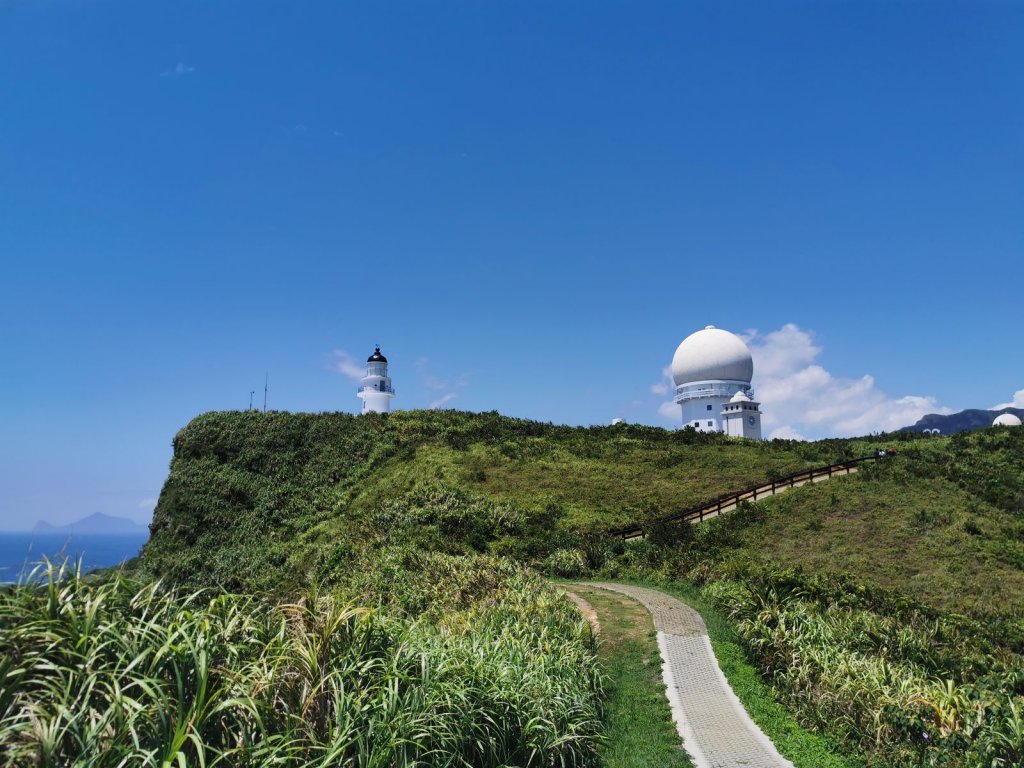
[1016, 402]
[665, 385]
[442, 400]
[670, 410]
[178, 70]
[785, 433]
[342, 362]
[798, 396]
[147, 505]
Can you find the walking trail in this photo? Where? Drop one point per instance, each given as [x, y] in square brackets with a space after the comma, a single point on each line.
[717, 732]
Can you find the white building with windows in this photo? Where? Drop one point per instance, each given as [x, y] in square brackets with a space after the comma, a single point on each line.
[375, 387]
[712, 370]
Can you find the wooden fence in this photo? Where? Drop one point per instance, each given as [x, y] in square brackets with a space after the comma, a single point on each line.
[730, 501]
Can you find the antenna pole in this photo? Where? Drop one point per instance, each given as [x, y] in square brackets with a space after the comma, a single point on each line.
[251, 393]
[266, 381]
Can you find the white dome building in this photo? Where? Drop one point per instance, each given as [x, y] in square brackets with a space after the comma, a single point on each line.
[712, 370]
[1006, 420]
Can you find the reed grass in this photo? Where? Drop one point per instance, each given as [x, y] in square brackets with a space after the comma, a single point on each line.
[121, 673]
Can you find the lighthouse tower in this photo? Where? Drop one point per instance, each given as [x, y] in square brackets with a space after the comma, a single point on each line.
[375, 388]
[712, 370]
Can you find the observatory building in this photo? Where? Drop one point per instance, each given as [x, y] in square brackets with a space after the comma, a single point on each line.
[1006, 420]
[712, 370]
[375, 387]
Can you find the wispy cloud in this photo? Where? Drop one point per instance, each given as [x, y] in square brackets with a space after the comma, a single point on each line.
[147, 505]
[442, 400]
[670, 410]
[342, 362]
[430, 380]
[665, 384]
[1016, 402]
[667, 409]
[178, 70]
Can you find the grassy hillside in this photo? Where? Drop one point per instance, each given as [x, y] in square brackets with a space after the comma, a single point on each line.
[886, 608]
[924, 537]
[270, 500]
[277, 500]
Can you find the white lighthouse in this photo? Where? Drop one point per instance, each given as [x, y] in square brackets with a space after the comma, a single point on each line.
[375, 388]
[712, 370]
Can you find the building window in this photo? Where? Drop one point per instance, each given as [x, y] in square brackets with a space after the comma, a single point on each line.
[709, 407]
[711, 423]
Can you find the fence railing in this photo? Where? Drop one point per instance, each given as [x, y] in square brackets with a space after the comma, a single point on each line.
[730, 501]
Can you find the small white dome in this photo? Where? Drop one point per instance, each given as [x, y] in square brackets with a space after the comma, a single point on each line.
[712, 354]
[1006, 420]
[740, 397]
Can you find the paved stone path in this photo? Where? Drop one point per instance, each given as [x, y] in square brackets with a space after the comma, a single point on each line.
[716, 730]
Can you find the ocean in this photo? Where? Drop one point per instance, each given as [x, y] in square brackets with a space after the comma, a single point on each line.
[19, 551]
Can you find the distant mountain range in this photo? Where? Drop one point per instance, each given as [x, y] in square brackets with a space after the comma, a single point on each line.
[97, 523]
[964, 421]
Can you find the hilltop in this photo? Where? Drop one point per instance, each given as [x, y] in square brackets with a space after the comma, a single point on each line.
[272, 501]
[260, 500]
[885, 609]
[962, 421]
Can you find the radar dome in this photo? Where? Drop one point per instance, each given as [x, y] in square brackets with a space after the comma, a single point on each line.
[712, 354]
[1006, 420]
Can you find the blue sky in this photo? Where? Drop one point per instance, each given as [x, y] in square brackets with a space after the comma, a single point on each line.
[528, 205]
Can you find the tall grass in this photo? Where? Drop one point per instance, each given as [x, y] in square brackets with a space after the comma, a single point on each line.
[127, 674]
[915, 689]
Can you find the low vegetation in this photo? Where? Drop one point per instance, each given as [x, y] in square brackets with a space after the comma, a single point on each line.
[885, 609]
[260, 501]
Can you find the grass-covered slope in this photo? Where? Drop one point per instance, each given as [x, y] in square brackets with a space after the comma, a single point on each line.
[276, 499]
[886, 608]
[925, 537]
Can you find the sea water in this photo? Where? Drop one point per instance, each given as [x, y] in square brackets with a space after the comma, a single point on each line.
[20, 551]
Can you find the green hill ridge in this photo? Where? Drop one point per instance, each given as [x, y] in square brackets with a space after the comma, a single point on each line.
[277, 500]
[885, 609]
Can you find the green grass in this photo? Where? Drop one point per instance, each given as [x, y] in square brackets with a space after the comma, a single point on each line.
[639, 731]
[903, 685]
[271, 501]
[805, 748]
[924, 537]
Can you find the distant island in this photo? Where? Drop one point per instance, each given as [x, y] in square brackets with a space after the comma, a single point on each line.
[98, 524]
